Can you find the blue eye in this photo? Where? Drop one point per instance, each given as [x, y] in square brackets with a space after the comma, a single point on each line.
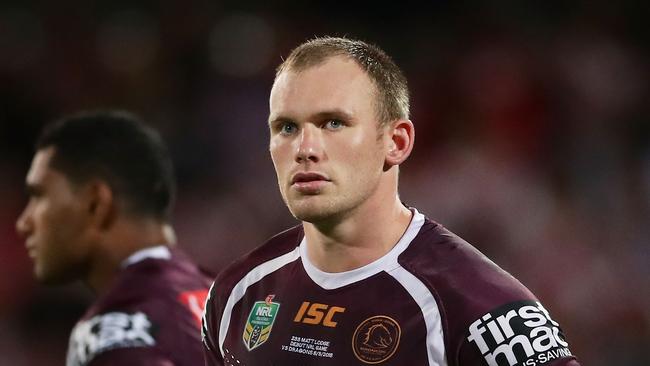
[288, 128]
[333, 124]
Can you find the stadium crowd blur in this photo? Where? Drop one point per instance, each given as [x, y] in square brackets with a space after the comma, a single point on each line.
[533, 139]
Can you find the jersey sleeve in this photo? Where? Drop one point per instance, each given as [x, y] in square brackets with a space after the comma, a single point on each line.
[111, 334]
[517, 333]
[210, 329]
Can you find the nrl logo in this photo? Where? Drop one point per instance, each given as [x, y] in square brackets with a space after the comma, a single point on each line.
[259, 323]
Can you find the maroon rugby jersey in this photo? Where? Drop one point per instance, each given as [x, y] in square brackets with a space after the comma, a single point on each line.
[432, 300]
[150, 315]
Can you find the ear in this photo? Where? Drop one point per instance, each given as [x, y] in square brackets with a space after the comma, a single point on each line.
[401, 135]
[101, 204]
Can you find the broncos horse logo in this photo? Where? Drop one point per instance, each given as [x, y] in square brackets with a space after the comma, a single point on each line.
[378, 336]
[376, 339]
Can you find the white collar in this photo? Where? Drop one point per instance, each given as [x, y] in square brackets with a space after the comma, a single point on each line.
[387, 262]
[157, 252]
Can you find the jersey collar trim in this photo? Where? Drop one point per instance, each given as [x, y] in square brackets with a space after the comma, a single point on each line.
[157, 252]
[330, 281]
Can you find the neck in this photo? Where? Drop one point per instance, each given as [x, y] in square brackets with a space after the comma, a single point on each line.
[360, 238]
[118, 243]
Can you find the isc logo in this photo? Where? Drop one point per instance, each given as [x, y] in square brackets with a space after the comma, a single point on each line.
[316, 313]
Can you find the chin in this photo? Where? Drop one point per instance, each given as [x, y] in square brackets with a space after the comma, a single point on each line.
[46, 279]
[51, 278]
[311, 217]
[304, 214]
[313, 212]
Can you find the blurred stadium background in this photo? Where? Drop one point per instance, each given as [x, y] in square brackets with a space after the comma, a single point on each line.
[533, 138]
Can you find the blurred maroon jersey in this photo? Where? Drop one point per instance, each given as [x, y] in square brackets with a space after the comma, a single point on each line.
[432, 300]
[150, 315]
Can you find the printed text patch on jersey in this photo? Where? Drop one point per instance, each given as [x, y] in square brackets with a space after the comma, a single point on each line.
[519, 333]
[108, 331]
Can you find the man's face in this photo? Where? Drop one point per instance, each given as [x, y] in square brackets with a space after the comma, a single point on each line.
[325, 142]
[53, 223]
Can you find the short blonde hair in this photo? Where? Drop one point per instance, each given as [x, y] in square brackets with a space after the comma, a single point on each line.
[392, 102]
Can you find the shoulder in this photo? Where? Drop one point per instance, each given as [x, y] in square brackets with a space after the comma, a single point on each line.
[110, 331]
[458, 272]
[275, 252]
[272, 250]
[151, 307]
[474, 295]
[465, 283]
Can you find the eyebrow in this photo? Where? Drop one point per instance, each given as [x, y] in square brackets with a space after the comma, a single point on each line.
[330, 114]
[335, 114]
[279, 119]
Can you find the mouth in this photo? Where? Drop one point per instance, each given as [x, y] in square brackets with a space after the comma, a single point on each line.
[306, 177]
[31, 250]
[309, 182]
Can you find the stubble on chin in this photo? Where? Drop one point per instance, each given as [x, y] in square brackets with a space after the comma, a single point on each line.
[311, 209]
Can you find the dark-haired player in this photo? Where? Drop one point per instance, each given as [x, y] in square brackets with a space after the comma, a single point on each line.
[365, 280]
[101, 189]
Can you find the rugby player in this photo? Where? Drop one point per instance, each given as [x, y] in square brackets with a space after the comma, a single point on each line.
[365, 279]
[101, 189]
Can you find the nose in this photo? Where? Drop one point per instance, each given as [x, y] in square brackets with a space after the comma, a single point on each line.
[310, 145]
[23, 223]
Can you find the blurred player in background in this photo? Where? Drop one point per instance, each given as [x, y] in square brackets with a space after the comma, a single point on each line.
[101, 190]
[365, 279]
